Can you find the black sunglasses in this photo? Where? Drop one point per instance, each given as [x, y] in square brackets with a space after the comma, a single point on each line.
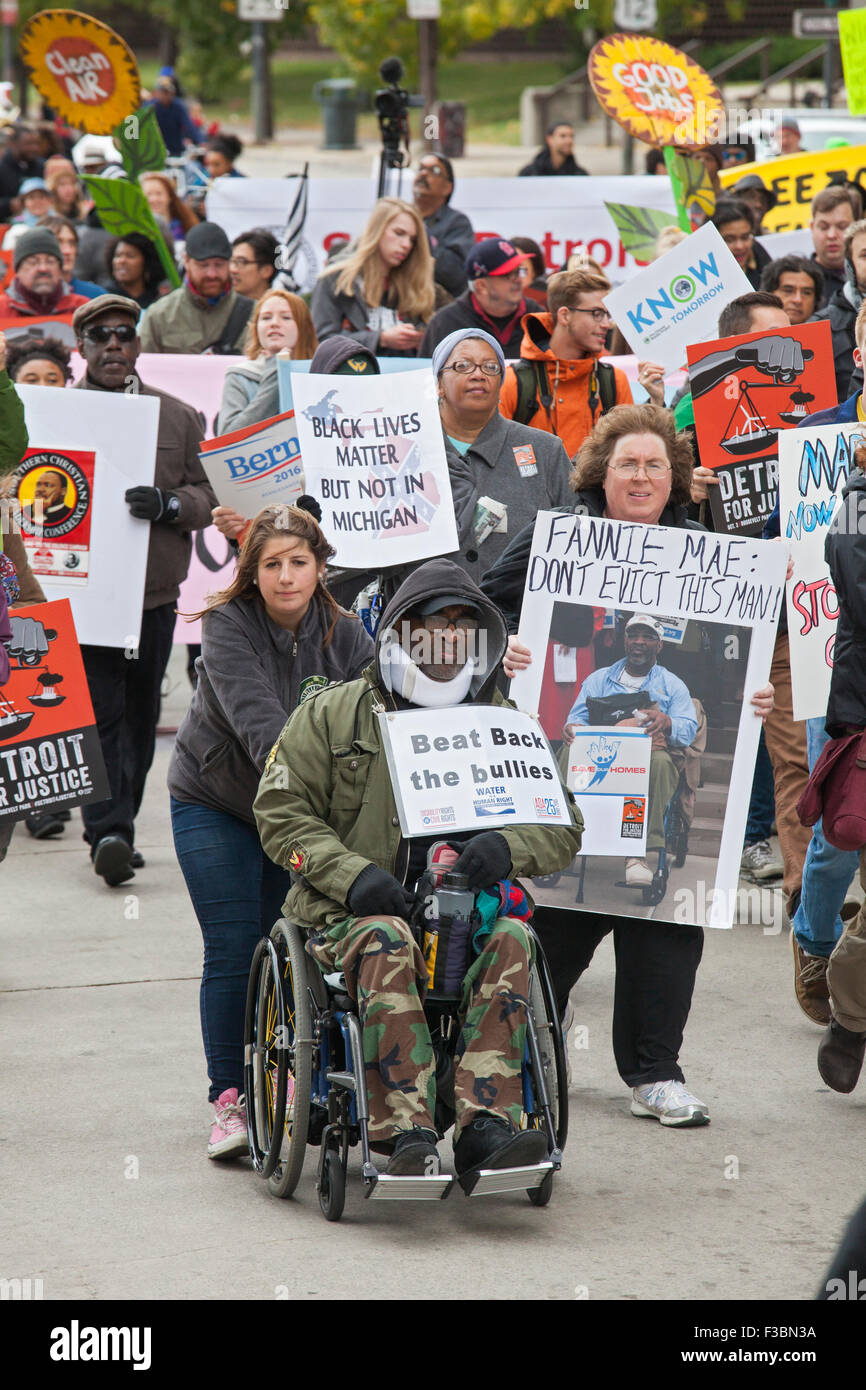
[102, 333]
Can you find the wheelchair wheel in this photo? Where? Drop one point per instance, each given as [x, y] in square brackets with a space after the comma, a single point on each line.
[265, 1064]
[294, 966]
[540, 1196]
[332, 1188]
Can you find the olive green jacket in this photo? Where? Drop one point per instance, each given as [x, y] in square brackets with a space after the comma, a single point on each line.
[13, 431]
[325, 808]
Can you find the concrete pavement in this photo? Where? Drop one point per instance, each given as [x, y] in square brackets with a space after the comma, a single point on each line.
[109, 1193]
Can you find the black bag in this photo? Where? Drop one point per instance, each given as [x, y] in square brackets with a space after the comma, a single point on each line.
[225, 344]
[610, 709]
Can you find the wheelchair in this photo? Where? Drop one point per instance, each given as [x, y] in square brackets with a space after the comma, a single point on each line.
[303, 1057]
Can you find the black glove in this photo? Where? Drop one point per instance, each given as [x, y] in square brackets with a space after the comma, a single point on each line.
[152, 503]
[375, 892]
[485, 860]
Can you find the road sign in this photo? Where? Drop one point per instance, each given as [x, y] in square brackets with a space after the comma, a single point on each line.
[816, 24]
[635, 14]
[262, 11]
[9, 12]
[424, 9]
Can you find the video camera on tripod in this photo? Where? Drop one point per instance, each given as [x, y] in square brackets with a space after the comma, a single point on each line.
[392, 111]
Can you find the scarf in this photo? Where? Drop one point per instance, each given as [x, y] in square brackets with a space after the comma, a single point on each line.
[403, 677]
[501, 334]
[39, 303]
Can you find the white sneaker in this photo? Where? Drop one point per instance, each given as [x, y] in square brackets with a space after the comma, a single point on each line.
[638, 873]
[567, 1024]
[670, 1102]
[758, 862]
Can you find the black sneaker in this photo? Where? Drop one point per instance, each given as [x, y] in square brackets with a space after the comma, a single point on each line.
[840, 1057]
[415, 1155]
[137, 860]
[44, 825]
[112, 859]
[491, 1142]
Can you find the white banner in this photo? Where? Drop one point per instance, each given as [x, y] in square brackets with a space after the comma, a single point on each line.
[677, 300]
[730, 590]
[813, 468]
[471, 767]
[375, 458]
[610, 775]
[562, 215]
[120, 429]
[256, 466]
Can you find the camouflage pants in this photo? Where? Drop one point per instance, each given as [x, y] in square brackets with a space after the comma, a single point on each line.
[387, 978]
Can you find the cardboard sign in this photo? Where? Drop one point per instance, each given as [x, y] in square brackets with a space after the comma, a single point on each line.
[677, 300]
[745, 391]
[81, 68]
[212, 567]
[470, 767]
[54, 492]
[50, 754]
[287, 367]
[253, 467]
[609, 775]
[796, 178]
[652, 90]
[813, 468]
[852, 44]
[374, 457]
[729, 588]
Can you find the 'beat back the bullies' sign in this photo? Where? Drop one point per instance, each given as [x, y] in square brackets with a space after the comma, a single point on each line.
[677, 300]
[471, 767]
[257, 466]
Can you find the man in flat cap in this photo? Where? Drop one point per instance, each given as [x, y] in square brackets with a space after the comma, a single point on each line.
[126, 692]
[205, 314]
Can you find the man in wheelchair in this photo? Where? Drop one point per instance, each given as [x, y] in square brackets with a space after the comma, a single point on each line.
[326, 810]
[663, 708]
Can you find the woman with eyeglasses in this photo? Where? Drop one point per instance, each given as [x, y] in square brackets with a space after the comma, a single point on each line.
[381, 291]
[516, 470]
[635, 468]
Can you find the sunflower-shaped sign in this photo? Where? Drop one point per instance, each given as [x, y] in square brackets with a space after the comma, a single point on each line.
[81, 68]
[656, 92]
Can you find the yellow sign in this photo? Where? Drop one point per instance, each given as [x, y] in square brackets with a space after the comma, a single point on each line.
[81, 68]
[796, 178]
[852, 42]
[657, 93]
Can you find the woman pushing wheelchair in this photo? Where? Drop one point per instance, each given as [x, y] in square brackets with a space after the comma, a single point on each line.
[326, 811]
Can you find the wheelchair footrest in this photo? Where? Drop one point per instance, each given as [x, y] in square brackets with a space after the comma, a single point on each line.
[480, 1182]
[346, 1079]
[397, 1188]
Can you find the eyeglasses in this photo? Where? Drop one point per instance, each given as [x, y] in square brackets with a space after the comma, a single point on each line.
[431, 169]
[654, 469]
[102, 333]
[463, 368]
[437, 622]
[598, 315]
[242, 260]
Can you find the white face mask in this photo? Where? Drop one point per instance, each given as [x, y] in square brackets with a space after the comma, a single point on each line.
[403, 677]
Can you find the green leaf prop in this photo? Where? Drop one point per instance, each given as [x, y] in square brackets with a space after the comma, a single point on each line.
[639, 228]
[693, 192]
[140, 141]
[122, 207]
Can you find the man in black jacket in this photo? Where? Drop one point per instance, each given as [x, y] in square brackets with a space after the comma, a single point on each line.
[494, 301]
[449, 232]
[557, 157]
[20, 161]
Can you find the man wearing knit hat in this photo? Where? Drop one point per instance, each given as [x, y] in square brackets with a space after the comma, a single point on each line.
[38, 289]
[205, 314]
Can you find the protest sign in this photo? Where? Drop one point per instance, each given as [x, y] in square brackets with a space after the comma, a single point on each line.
[81, 68]
[652, 90]
[562, 215]
[852, 45]
[54, 491]
[746, 390]
[796, 178]
[197, 380]
[677, 300]
[694, 195]
[50, 754]
[119, 429]
[211, 568]
[374, 457]
[54, 326]
[813, 468]
[287, 367]
[253, 467]
[470, 767]
[610, 778]
[729, 591]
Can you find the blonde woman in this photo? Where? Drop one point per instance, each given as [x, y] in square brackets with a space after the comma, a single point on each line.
[280, 322]
[381, 292]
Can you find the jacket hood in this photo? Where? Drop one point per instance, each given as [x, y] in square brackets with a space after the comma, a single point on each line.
[537, 329]
[443, 577]
[333, 352]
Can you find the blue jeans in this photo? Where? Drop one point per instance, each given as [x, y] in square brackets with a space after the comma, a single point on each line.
[237, 894]
[827, 874]
[762, 803]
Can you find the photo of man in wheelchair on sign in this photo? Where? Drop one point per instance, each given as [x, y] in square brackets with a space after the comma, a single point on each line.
[435, 988]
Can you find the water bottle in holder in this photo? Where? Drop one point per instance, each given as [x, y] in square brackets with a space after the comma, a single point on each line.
[450, 919]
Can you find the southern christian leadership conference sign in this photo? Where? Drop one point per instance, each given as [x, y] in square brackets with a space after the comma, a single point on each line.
[471, 767]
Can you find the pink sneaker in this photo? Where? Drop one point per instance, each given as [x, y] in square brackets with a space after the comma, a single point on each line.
[228, 1136]
[290, 1097]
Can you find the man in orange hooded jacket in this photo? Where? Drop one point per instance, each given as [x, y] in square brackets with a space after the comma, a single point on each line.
[563, 348]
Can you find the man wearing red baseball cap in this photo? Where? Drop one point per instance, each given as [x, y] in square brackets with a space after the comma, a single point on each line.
[494, 300]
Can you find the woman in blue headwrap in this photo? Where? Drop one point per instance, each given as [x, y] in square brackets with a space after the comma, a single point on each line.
[517, 469]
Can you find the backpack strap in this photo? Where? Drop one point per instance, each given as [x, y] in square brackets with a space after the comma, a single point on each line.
[224, 346]
[532, 384]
